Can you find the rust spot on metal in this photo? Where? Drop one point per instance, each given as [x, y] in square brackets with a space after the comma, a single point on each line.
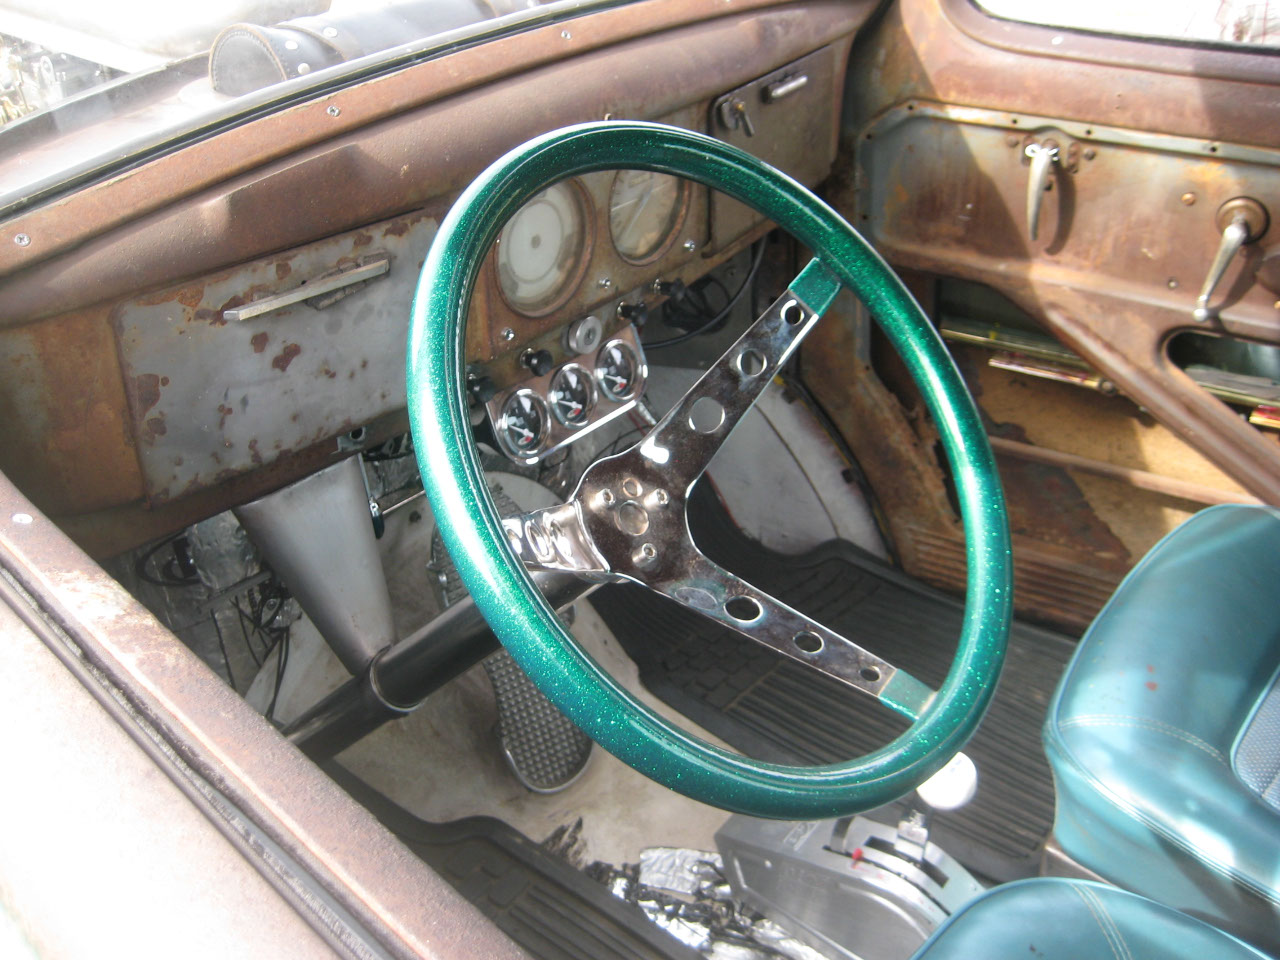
[363, 364]
[296, 416]
[254, 455]
[156, 427]
[190, 297]
[1151, 685]
[224, 411]
[362, 240]
[283, 269]
[282, 360]
[205, 315]
[329, 373]
[398, 229]
[164, 381]
[147, 387]
[259, 341]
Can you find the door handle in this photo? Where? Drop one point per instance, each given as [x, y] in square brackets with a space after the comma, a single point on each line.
[1043, 156]
[1242, 220]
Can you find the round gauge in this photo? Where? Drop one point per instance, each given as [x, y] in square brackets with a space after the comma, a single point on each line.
[644, 212]
[618, 370]
[572, 395]
[541, 252]
[523, 425]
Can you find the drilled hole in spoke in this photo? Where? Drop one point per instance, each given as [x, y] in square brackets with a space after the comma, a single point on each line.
[808, 642]
[743, 609]
[792, 312]
[706, 416]
[869, 674]
[751, 363]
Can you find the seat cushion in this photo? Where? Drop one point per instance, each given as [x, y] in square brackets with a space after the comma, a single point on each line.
[1143, 727]
[1054, 919]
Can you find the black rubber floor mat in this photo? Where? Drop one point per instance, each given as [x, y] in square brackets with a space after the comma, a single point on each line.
[552, 910]
[775, 709]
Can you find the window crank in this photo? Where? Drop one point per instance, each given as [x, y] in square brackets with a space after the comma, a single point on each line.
[1043, 157]
[1242, 220]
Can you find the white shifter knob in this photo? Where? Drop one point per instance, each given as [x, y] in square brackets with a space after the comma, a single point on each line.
[951, 787]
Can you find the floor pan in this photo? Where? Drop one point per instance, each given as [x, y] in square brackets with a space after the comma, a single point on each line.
[775, 709]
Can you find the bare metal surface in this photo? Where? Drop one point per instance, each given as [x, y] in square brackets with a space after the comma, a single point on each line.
[213, 730]
[628, 517]
[211, 398]
[317, 536]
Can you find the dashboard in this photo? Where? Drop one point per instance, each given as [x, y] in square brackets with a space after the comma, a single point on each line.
[203, 377]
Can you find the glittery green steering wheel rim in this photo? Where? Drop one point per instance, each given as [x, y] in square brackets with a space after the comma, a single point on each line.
[522, 619]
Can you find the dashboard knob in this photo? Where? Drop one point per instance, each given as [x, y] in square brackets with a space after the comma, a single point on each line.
[539, 361]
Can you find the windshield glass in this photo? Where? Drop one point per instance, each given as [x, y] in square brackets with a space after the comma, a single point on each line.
[1255, 22]
[87, 86]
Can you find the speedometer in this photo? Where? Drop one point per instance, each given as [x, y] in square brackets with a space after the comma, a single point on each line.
[645, 209]
[542, 251]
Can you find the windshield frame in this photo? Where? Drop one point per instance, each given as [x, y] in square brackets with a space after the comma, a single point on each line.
[48, 186]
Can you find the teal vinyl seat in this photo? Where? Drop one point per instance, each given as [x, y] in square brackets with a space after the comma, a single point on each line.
[1054, 919]
[1164, 734]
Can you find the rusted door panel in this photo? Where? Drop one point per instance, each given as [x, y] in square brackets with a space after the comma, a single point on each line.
[1128, 226]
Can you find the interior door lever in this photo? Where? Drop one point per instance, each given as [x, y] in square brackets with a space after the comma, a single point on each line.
[1241, 220]
[1043, 156]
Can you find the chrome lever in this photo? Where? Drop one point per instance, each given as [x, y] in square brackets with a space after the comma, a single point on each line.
[1043, 157]
[1241, 221]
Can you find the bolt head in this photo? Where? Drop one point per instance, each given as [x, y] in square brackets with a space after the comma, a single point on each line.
[1188, 198]
[22, 240]
[333, 110]
[508, 334]
[690, 246]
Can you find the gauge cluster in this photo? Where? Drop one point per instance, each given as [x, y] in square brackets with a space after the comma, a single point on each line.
[545, 413]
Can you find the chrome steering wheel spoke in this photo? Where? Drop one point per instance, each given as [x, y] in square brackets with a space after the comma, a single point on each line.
[628, 518]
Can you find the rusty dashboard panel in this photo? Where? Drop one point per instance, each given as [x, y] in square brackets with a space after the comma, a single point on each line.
[230, 373]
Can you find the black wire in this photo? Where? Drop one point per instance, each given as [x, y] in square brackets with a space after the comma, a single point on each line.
[724, 312]
[281, 663]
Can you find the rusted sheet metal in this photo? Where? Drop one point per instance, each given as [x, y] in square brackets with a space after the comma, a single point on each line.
[398, 141]
[212, 397]
[63, 419]
[936, 50]
[411, 909]
[1125, 243]
[1066, 562]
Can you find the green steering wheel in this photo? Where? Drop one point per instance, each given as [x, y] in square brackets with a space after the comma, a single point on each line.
[626, 520]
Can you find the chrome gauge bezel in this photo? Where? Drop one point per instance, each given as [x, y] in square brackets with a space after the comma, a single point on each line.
[524, 454]
[641, 372]
[604, 407]
[588, 378]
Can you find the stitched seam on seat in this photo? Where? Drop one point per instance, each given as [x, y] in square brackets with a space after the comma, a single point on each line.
[1111, 923]
[1106, 934]
[1146, 723]
[1227, 871]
